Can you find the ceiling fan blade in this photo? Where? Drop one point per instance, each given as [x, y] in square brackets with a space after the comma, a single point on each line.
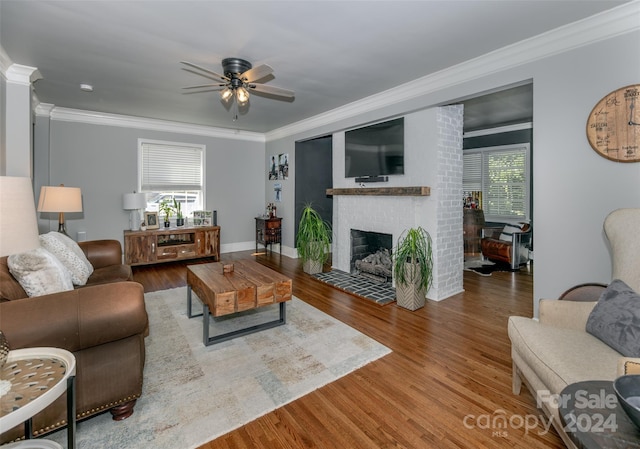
[205, 85]
[210, 72]
[256, 73]
[272, 90]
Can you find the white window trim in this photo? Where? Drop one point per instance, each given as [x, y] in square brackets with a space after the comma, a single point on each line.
[180, 144]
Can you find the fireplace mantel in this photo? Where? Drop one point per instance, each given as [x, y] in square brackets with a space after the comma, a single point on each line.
[382, 191]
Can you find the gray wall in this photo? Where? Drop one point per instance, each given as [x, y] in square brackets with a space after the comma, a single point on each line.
[102, 161]
[3, 120]
[574, 188]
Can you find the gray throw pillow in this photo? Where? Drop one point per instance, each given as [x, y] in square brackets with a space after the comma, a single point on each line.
[616, 319]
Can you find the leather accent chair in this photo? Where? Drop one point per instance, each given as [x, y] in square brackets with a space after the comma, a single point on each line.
[509, 244]
[103, 323]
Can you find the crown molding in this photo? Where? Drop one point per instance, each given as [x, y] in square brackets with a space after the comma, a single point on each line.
[608, 24]
[125, 121]
[499, 130]
[22, 74]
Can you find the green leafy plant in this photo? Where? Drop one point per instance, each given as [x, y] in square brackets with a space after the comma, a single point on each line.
[177, 207]
[414, 247]
[314, 236]
[166, 207]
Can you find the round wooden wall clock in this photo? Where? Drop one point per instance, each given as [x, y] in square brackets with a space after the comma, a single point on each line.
[613, 127]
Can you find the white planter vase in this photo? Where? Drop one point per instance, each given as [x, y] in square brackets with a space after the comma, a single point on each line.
[410, 296]
[312, 266]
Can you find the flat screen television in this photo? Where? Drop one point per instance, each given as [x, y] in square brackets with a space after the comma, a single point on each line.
[375, 150]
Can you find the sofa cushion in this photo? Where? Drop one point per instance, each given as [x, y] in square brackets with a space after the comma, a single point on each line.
[69, 253]
[39, 272]
[112, 273]
[561, 356]
[10, 289]
[616, 319]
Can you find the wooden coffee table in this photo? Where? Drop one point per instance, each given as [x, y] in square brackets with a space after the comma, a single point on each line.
[249, 286]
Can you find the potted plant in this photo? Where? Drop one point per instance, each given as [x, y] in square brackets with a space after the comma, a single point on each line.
[313, 240]
[178, 209]
[413, 268]
[166, 207]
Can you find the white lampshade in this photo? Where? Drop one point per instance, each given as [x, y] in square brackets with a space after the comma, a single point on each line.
[60, 199]
[131, 201]
[18, 220]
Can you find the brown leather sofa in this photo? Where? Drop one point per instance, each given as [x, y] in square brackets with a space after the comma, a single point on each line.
[103, 324]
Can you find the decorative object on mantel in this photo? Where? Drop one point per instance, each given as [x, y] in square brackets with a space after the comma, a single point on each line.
[413, 268]
[613, 126]
[60, 199]
[313, 240]
[382, 191]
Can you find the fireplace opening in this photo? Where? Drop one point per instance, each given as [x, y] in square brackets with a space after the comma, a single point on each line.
[371, 255]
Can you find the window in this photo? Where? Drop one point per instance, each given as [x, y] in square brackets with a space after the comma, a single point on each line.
[170, 170]
[502, 175]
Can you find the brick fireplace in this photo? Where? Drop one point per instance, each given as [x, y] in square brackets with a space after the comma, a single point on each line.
[433, 157]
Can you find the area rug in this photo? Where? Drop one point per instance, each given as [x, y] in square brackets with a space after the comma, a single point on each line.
[194, 393]
[381, 293]
[484, 267]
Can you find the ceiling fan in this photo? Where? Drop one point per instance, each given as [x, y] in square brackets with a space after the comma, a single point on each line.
[238, 80]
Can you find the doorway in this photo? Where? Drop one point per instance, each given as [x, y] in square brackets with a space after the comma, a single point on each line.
[314, 175]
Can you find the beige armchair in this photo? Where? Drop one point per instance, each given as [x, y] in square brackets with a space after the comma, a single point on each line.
[550, 353]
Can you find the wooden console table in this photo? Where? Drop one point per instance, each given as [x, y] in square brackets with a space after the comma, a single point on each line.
[268, 232]
[169, 244]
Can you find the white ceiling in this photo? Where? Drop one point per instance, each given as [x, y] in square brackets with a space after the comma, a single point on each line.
[330, 53]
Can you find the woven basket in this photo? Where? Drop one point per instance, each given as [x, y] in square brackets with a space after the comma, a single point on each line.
[410, 296]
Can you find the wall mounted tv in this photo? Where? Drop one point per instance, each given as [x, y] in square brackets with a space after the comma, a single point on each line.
[375, 150]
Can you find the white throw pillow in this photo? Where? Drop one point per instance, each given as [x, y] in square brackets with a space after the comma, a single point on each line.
[508, 231]
[70, 254]
[39, 272]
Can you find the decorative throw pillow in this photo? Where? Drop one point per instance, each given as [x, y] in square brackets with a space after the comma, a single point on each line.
[70, 254]
[616, 319]
[39, 272]
[508, 231]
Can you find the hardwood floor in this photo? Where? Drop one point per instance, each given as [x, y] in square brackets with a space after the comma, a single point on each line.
[447, 383]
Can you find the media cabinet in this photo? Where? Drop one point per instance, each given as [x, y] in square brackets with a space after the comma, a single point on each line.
[170, 244]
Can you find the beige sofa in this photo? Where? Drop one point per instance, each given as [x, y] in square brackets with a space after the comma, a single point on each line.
[554, 351]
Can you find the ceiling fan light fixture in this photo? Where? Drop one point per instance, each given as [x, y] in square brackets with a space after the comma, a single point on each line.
[226, 94]
[242, 96]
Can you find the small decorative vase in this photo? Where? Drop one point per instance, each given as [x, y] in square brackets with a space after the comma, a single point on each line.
[167, 224]
[179, 221]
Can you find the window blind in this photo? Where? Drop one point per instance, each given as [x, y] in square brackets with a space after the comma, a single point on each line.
[167, 167]
[501, 174]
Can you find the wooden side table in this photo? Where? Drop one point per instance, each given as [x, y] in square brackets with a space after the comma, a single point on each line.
[268, 232]
[38, 376]
[593, 418]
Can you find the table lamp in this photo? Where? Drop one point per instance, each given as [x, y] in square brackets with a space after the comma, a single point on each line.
[134, 202]
[60, 199]
[18, 219]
